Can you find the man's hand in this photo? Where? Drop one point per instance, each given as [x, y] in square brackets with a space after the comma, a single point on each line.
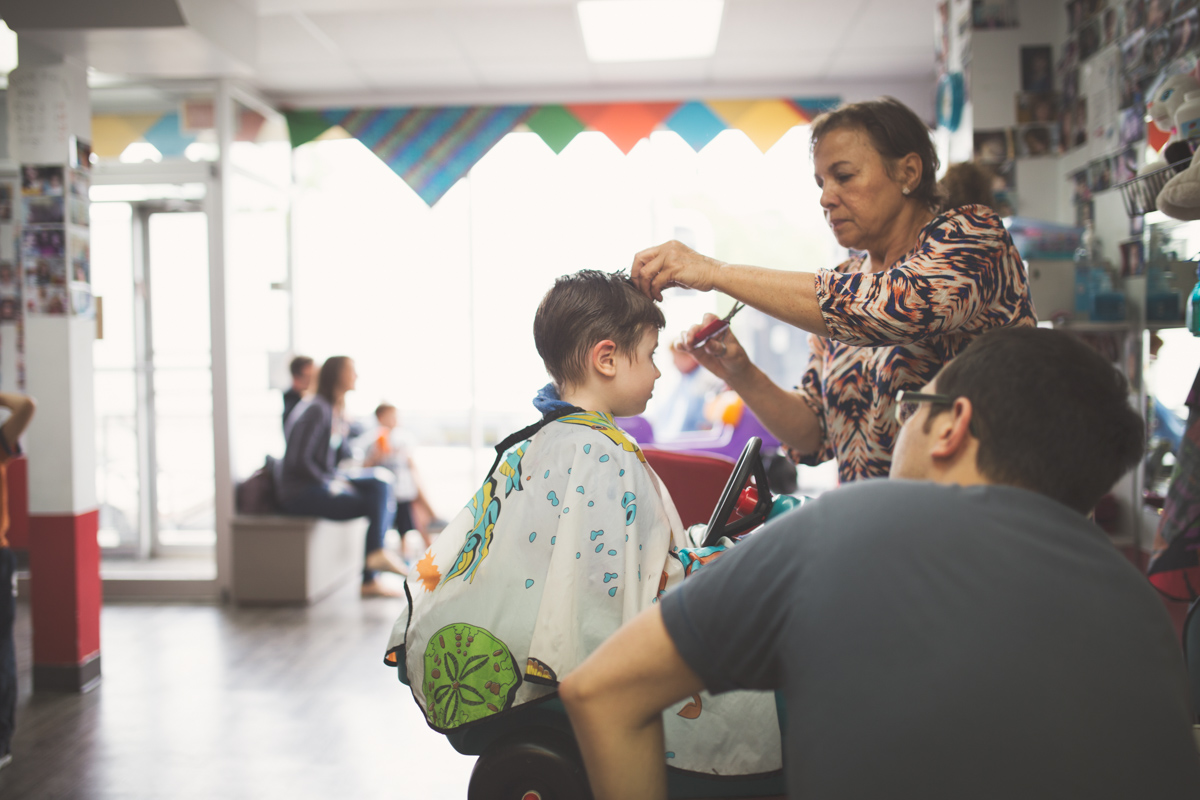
[615, 700]
[673, 264]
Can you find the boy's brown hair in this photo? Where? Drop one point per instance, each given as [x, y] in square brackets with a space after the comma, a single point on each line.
[583, 309]
[382, 408]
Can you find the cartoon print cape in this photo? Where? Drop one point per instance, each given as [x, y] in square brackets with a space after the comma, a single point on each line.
[570, 537]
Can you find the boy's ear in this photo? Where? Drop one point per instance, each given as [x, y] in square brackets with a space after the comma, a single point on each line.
[603, 357]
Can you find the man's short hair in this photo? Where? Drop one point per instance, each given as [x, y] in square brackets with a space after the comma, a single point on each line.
[382, 408]
[583, 309]
[1051, 414]
[299, 364]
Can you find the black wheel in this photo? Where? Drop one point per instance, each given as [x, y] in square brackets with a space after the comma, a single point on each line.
[536, 764]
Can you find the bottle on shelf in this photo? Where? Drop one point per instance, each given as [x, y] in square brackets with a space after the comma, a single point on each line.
[1193, 308]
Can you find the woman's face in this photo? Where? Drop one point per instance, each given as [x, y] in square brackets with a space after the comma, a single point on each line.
[860, 199]
[349, 377]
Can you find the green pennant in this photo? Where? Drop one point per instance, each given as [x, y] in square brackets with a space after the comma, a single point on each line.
[556, 125]
[304, 126]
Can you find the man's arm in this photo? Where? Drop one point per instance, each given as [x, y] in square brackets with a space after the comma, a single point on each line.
[615, 700]
[22, 408]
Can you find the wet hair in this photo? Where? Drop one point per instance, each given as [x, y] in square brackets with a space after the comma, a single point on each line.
[584, 308]
[299, 364]
[1051, 414]
[331, 375]
[895, 131]
[967, 184]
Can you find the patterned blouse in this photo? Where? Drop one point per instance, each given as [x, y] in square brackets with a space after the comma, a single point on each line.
[894, 330]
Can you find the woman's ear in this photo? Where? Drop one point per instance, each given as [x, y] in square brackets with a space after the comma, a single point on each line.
[604, 357]
[909, 171]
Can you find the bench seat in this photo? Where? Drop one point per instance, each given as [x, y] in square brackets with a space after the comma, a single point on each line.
[284, 560]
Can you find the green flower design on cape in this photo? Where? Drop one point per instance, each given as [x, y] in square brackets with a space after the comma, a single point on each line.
[469, 675]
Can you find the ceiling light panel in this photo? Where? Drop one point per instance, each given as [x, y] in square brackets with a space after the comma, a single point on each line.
[649, 30]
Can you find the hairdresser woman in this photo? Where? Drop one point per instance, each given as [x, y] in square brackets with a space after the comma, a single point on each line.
[921, 286]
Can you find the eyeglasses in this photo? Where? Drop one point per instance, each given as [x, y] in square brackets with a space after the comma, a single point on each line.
[907, 403]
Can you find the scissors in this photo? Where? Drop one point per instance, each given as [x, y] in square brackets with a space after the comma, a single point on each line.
[715, 328]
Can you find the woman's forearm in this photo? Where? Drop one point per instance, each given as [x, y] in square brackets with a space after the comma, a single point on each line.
[782, 412]
[790, 297]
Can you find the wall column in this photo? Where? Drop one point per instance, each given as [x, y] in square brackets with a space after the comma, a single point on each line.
[49, 136]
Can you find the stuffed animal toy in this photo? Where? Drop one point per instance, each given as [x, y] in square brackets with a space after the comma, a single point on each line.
[1180, 198]
[1164, 101]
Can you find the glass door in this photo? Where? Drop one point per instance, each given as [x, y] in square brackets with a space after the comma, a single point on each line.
[154, 379]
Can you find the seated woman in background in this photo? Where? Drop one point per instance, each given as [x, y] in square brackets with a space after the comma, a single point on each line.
[310, 484]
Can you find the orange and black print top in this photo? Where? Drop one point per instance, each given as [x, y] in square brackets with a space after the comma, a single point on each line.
[894, 329]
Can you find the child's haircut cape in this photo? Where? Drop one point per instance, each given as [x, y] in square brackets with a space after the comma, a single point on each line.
[570, 536]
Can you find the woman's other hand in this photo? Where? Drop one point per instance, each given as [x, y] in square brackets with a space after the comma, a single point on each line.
[721, 355]
[673, 264]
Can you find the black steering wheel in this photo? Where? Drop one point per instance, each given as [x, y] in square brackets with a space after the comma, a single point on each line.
[749, 464]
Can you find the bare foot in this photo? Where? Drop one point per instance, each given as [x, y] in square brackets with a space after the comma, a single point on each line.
[379, 589]
[384, 561]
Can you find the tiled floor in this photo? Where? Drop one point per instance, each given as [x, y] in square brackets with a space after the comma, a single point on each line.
[205, 702]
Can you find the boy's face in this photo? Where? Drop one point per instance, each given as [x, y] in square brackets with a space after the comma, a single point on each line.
[387, 418]
[634, 381]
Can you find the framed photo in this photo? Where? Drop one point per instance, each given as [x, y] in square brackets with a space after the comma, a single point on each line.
[1184, 32]
[1133, 260]
[1133, 126]
[1108, 26]
[42, 181]
[993, 14]
[1135, 15]
[1037, 107]
[1157, 12]
[1037, 140]
[1156, 50]
[994, 147]
[1035, 69]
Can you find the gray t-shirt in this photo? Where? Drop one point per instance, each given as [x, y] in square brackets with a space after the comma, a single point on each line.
[947, 642]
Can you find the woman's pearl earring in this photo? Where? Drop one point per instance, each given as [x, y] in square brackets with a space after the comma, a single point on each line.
[905, 190]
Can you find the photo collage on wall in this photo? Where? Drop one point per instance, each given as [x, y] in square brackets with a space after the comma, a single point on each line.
[43, 240]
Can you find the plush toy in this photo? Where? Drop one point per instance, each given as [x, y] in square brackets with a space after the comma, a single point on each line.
[1164, 101]
[1180, 198]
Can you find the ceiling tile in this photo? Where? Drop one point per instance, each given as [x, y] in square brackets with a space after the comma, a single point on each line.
[540, 32]
[284, 40]
[446, 73]
[883, 62]
[303, 78]
[390, 35]
[753, 27]
[689, 71]
[771, 66]
[520, 72]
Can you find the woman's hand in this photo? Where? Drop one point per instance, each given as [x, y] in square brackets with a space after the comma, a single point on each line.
[673, 264]
[721, 355]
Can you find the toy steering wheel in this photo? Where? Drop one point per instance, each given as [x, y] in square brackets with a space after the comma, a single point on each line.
[754, 502]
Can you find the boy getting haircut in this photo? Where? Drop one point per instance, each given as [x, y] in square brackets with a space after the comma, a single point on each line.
[585, 308]
[571, 535]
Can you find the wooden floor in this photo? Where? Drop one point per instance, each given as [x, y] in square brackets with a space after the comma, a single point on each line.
[214, 703]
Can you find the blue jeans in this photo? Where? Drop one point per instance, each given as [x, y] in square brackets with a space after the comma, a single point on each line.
[8, 652]
[352, 498]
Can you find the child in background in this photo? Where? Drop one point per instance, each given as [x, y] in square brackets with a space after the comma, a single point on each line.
[570, 536]
[390, 449]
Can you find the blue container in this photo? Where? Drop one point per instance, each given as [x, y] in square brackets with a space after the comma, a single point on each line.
[1109, 307]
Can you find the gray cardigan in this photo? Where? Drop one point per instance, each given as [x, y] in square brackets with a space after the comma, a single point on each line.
[309, 459]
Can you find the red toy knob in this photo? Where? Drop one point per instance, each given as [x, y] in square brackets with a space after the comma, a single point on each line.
[747, 501]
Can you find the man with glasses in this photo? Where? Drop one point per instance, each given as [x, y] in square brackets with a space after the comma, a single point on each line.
[961, 630]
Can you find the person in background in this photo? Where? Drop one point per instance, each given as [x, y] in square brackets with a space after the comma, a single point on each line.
[302, 369]
[967, 184]
[390, 449]
[961, 630]
[682, 407]
[310, 484]
[21, 410]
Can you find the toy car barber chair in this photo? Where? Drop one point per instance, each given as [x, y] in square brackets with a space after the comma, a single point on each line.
[529, 753]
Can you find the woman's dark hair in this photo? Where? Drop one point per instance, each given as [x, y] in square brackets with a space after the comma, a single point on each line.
[967, 184]
[583, 309]
[1051, 414]
[895, 131]
[331, 375]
